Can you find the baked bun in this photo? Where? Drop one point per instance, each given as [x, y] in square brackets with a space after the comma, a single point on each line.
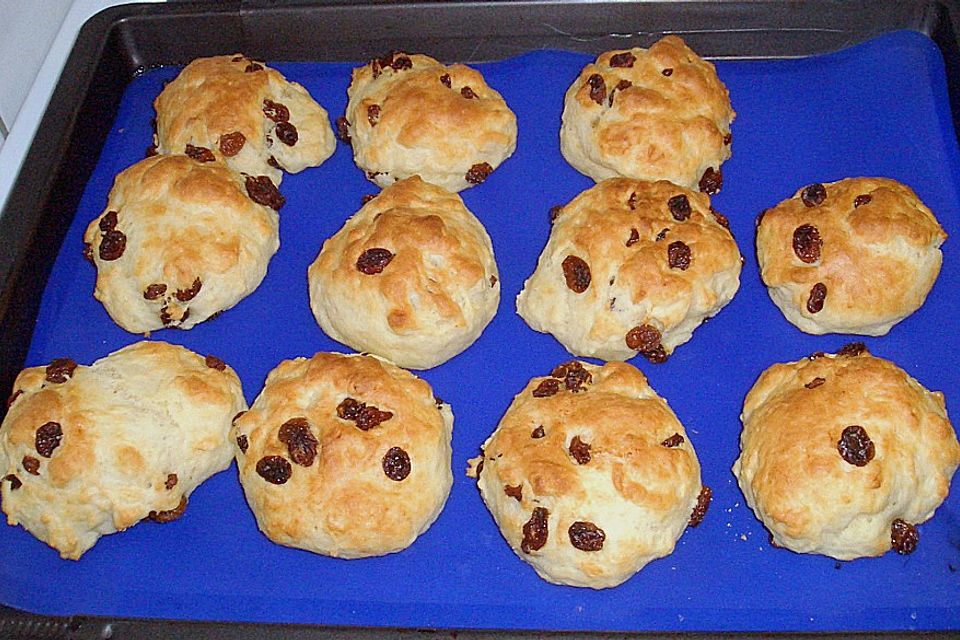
[631, 266]
[854, 256]
[235, 110]
[410, 277]
[86, 451]
[410, 115]
[345, 455]
[179, 241]
[653, 114]
[843, 455]
[590, 475]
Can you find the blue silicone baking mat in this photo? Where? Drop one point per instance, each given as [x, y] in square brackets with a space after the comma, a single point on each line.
[877, 109]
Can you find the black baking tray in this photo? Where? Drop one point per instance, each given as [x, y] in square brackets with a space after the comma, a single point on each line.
[118, 44]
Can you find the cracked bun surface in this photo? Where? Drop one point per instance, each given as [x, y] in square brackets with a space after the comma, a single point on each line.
[410, 277]
[590, 475]
[87, 451]
[178, 242]
[652, 114]
[844, 454]
[853, 256]
[631, 267]
[345, 455]
[408, 115]
[235, 110]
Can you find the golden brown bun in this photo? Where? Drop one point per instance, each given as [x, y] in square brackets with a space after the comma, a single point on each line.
[653, 114]
[854, 256]
[836, 448]
[600, 459]
[86, 451]
[318, 477]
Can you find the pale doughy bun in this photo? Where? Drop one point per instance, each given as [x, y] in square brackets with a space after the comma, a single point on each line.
[410, 115]
[410, 277]
[653, 114]
[345, 455]
[631, 266]
[854, 256]
[590, 475]
[843, 455]
[178, 242]
[86, 451]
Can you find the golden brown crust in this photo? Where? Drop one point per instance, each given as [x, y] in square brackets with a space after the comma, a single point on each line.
[136, 432]
[436, 292]
[343, 503]
[181, 222]
[226, 95]
[653, 114]
[874, 255]
[592, 452]
[657, 255]
[420, 117]
[799, 483]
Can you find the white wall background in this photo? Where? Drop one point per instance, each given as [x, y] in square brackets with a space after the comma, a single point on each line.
[27, 27]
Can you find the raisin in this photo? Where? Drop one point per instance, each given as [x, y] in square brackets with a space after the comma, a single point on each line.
[374, 261]
[445, 80]
[580, 450]
[185, 295]
[479, 172]
[555, 212]
[231, 143]
[574, 375]
[598, 88]
[813, 195]
[301, 444]
[667, 72]
[855, 446]
[343, 129]
[163, 517]
[807, 243]
[861, 200]
[586, 536]
[514, 492]
[154, 291]
[31, 465]
[711, 182]
[657, 355]
[547, 388]
[151, 151]
[273, 163]
[276, 111]
[678, 255]
[112, 245]
[679, 207]
[373, 114]
[262, 191]
[721, 219]
[108, 221]
[468, 93]
[577, 273]
[852, 349]
[200, 154]
[370, 417]
[396, 464]
[48, 438]
[643, 338]
[287, 133]
[537, 433]
[818, 293]
[673, 441]
[727, 139]
[816, 355]
[904, 537]
[663, 234]
[274, 469]
[401, 62]
[624, 59]
[60, 370]
[253, 67]
[634, 237]
[171, 481]
[623, 84]
[243, 443]
[632, 201]
[349, 409]
[535, 531]
[215, 363]
[493, 281]
[703, 503]
[816, 382]
[13, 397]
[14, 481]
[165, 316]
